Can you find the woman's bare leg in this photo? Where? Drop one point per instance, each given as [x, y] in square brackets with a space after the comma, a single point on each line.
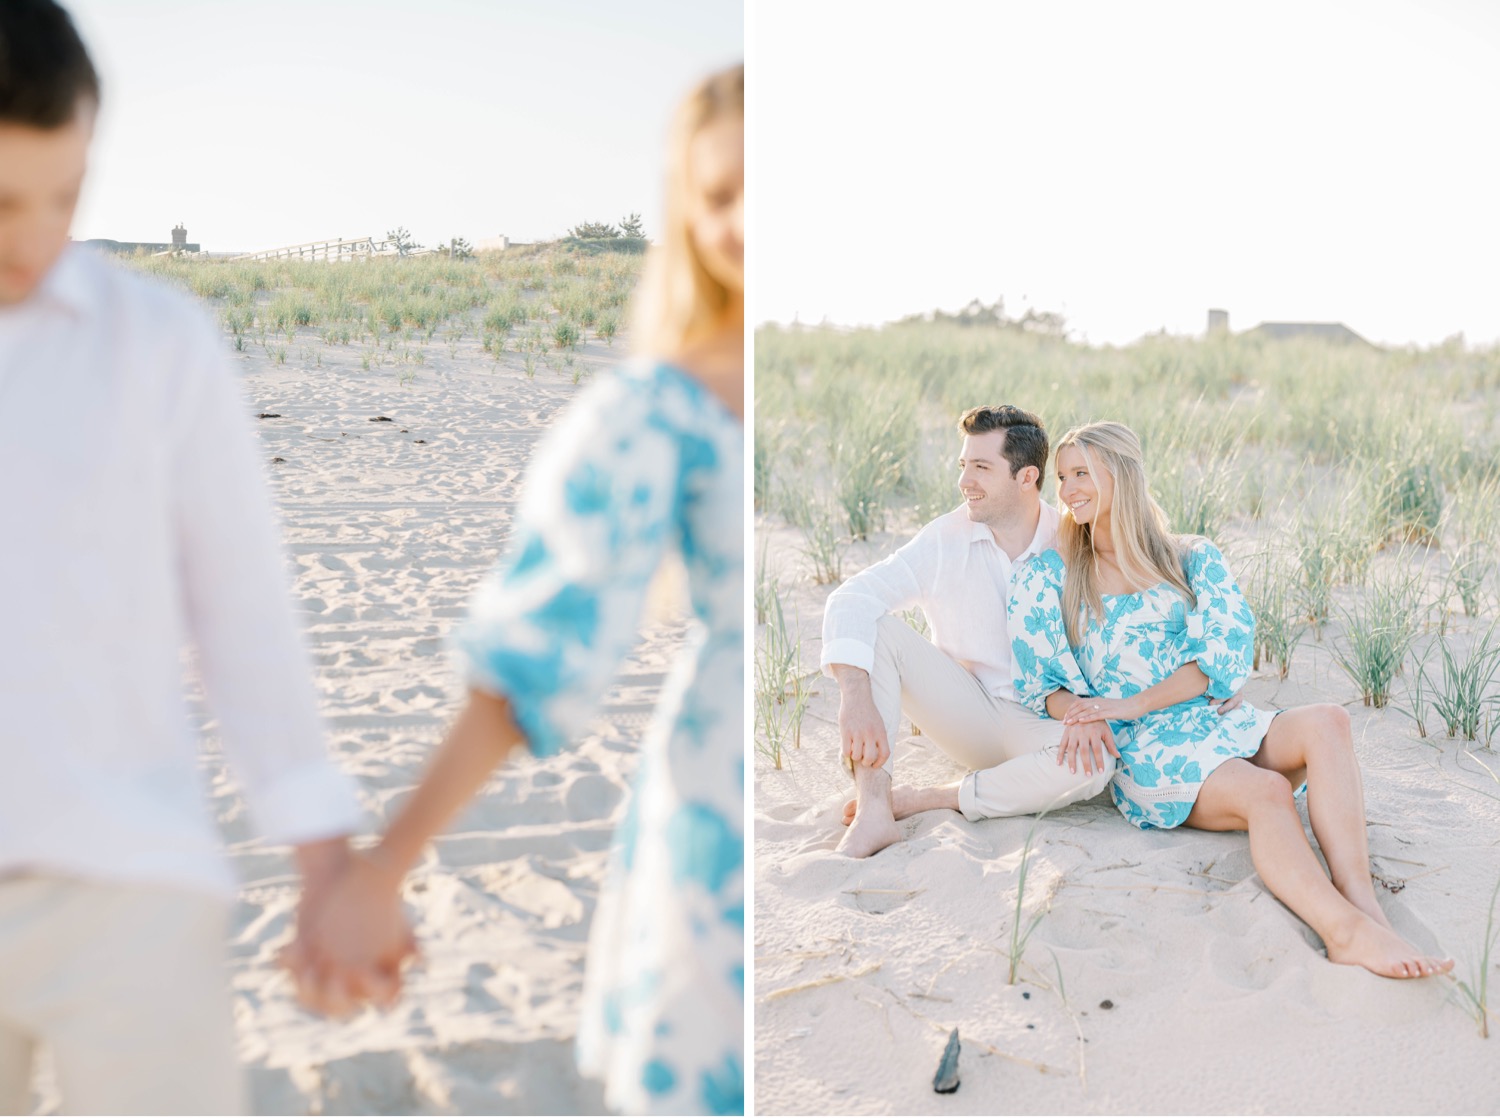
[1314, 743]
[1239, 796]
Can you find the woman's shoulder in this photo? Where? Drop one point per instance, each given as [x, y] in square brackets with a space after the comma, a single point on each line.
[1045, 569]
[674, 395]
[1201, 558]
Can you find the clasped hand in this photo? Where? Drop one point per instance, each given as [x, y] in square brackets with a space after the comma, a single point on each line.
[1087, 734]
[352, 941]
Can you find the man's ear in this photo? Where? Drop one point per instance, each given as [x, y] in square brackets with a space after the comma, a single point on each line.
[1030, 474]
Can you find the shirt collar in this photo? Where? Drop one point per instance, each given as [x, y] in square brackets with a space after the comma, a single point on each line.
[67, 284]
[1046, 527]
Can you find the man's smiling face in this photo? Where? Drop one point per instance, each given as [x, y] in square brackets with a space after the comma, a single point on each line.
[991, 493]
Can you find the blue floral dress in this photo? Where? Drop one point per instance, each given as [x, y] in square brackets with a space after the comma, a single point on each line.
[644, 463]
[1166, 756]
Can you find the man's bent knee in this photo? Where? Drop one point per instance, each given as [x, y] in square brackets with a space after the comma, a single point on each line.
[1075, 787]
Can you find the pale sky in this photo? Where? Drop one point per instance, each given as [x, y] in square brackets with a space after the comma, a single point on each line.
[266, 122]
[1130, 164]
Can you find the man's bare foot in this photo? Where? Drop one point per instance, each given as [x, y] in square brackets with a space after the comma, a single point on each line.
[907, 800]
[1370, 945]
[867, 835]
[873, 826]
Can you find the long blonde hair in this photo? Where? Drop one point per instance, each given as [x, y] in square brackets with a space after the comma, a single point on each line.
[678, 302]
[1146, 550]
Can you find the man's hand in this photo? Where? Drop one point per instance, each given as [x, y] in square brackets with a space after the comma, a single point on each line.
[1089, 741]
[861, 730]
[1225, 706]
[352, 937]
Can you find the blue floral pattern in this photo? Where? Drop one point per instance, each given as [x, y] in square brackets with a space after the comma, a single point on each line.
[1166, 756]
[644, 464]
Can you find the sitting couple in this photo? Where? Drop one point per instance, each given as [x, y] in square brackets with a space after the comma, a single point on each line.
[1061, 640]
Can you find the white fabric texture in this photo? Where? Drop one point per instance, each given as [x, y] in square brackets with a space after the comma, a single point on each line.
[140, 522]
[959, 576]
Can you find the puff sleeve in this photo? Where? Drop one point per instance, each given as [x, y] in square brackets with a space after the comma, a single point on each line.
[1219, 632]
[549, 626]
[1041, 659]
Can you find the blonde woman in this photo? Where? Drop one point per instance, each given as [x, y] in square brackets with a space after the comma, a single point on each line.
[1101, 630]
[645, 465]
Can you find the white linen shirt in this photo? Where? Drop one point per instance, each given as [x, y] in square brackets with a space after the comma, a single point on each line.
[960, 577]
[136, 520]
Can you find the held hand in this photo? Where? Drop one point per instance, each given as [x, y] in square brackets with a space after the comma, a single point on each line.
[1100, 709]
[1225, 706]
[861, 730]
[352, 942]
[1090, 741]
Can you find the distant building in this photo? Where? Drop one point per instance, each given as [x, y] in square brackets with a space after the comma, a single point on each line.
[498, 244]
[130, 248]
[1328, 331]
[1337, 332]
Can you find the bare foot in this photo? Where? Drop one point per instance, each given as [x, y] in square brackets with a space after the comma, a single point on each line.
[907, 800]
[1370, 945]
[874, 825]
[1364, 900]
[869, 833]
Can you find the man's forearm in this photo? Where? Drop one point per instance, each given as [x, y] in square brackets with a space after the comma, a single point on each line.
[848, 677]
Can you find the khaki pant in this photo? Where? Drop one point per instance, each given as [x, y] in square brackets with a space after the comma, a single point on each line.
[1010, 750]
[126, 985]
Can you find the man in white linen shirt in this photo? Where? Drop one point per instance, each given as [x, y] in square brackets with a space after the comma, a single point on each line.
[958, 687]
[137, 520]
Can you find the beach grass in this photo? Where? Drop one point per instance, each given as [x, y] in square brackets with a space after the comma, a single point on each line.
[415, 302]
[780, 697]
[1475, 990]
[1020, 928]
[1351, 487]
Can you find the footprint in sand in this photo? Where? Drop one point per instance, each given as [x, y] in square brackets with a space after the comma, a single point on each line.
[593, 796]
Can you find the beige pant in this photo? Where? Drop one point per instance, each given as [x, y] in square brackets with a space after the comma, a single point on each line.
[1011, 751]
[126, 985]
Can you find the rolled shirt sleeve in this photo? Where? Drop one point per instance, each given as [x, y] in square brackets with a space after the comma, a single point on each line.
[256, 671]
[853, 611]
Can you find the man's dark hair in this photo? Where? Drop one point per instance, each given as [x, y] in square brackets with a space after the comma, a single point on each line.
[45, 71]
[1025, 437]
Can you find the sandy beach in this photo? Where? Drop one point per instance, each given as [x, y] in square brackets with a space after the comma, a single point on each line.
[389, 523]
[1161, 976]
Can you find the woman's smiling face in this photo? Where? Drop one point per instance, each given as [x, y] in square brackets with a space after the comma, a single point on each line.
[1086, 495]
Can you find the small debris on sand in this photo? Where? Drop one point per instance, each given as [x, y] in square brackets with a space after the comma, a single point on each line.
[945, 1082]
